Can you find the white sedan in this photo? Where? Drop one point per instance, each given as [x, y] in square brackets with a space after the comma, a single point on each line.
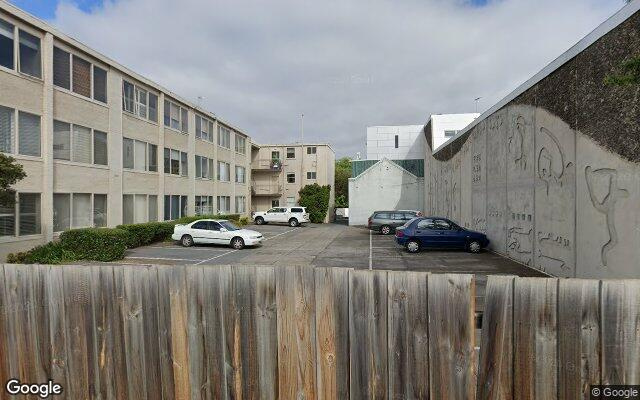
[215, 231]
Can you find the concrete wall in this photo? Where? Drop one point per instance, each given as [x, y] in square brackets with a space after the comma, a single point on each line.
[381, 142]
[384, 186]
[551, 185]
[47, 176]
[269, 185]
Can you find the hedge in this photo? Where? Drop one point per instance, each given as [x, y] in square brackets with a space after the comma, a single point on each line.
[106, 244]
[315, 199]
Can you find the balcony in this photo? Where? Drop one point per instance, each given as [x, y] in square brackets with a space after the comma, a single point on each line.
[266, 164]
[266, 189]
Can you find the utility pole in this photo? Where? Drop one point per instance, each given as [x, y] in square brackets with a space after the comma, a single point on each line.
[301, 151]
[476, 100]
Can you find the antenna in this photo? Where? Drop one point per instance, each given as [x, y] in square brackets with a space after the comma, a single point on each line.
[302, 127]
[476, 100]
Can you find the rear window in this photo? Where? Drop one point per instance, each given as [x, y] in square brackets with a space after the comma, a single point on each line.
[398, 216]
[297, 210]
[409, 215]
[381, 215]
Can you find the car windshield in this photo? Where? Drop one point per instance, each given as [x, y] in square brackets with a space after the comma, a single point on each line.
[229, 226]
[406, 224]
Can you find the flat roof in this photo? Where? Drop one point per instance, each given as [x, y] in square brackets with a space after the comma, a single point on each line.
[291, 145]
[45, 27]
[616, 19]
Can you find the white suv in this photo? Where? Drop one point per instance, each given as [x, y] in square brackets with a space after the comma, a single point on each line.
[293, 216]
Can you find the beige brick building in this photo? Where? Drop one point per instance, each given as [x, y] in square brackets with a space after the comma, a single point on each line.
[101, 144]
[279, 171]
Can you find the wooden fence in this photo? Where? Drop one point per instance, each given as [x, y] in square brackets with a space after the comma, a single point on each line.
[176, 332]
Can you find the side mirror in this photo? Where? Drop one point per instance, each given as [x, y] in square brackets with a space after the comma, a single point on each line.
[223, 229]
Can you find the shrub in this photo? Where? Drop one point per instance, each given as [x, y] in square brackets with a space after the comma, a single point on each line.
[98, 244]
[243, 221]
[50, 253]
[146, 233]
[316, 200]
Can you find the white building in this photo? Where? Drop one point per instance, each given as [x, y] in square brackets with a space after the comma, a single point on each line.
[395, 142]
[446, 126]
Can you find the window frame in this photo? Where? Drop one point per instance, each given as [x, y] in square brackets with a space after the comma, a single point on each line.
[228, 169]
[19, 30]
[312, 150]
[14, 34]
[72, 148]
[135, 111]
[312, 177]
[172, 197]
[183, 167]
[92, 71]
[221, 143]
[209, 201]
[210, 128]
[294, 153]
[244, 174]
[205, 163]
[92, 213]
[147, 164]
[243, 139]
[289, 175]
[183, 126]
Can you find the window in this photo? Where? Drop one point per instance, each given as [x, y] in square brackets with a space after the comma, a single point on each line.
[311, 175]
[224, 204]
[442, 225]
[240, 174]
[81, 81]
[396, 141]
[139, 155]
[7, 129]
[175, 207]
[426, 224]
[224, 171]
[100, 148]
[204, 205]
[84, 145]
[29, 217]
[79, 210]
[175, 117]
[241, 144]
[291, 201]
[297, 210]
[153, 107]
[30, 54]
[6, 44]
[291, 177]
[61, 68]
[275, 203]
[127, 209]
[312, 150]
[153, 208]
[204, 129]
[99, 210]
[81, 144]
[224, 137]
[139, 101]
[275, 155]
[127, 96]
[291, 152]
[175, 162]
[28, 134]
[140, 208]
[99, 84]
[450, 133]
[241, 204]
[204, 167]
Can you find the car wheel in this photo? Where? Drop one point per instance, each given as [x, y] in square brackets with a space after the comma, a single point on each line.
[186, 241]
[259, 221]
[385, 229]
[413, 246]
[293, 222]
[237, 243]
[474, 246]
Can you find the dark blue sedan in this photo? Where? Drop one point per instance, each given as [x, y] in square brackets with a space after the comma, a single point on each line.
[435, 232]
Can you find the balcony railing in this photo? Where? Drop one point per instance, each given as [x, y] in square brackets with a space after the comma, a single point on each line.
[266, 189]
[267, 164]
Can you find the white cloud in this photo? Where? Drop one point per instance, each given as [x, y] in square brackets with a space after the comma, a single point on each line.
[344, 64]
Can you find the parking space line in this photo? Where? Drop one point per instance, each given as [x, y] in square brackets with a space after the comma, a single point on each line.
[218, 256]
[282, 233]
[161, 258]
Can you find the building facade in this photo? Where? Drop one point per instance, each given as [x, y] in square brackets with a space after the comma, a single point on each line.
[446, 126]
[395, 142]
[279, 171]
[102, 145]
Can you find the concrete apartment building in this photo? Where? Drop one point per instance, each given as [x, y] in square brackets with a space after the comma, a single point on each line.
[279, 171]
[102, 145]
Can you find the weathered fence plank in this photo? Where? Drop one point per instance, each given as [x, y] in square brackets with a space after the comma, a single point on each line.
[213, 334]
[332, 332]
[451, 336]
[133, 323]
[295, 295]
[165, 352]
[105, 312]
[266, 333]
[368, 334]
[57, 331]
[495, 371]
[578, 338]
[535, 340]
[408, 319]
[179, 333]
[199, 379]
[620, 332]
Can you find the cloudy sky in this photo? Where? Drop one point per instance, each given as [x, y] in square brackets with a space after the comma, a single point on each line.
[345, 64]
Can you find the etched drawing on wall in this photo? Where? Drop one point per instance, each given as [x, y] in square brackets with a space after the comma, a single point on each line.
[611, 194]
[551, 164]
[519, 241]
[515, 143]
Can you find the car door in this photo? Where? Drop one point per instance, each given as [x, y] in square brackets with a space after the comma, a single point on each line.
[272, 215]
[447, 236]
[426, 233]
[284, 215]
[200, 232]
[217, 236]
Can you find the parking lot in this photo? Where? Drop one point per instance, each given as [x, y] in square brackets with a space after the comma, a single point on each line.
[329, 245]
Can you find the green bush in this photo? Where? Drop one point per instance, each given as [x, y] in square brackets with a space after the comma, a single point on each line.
[98, 244]
[50, 253]
[243, 221]
[146, 233]
[316, 200]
